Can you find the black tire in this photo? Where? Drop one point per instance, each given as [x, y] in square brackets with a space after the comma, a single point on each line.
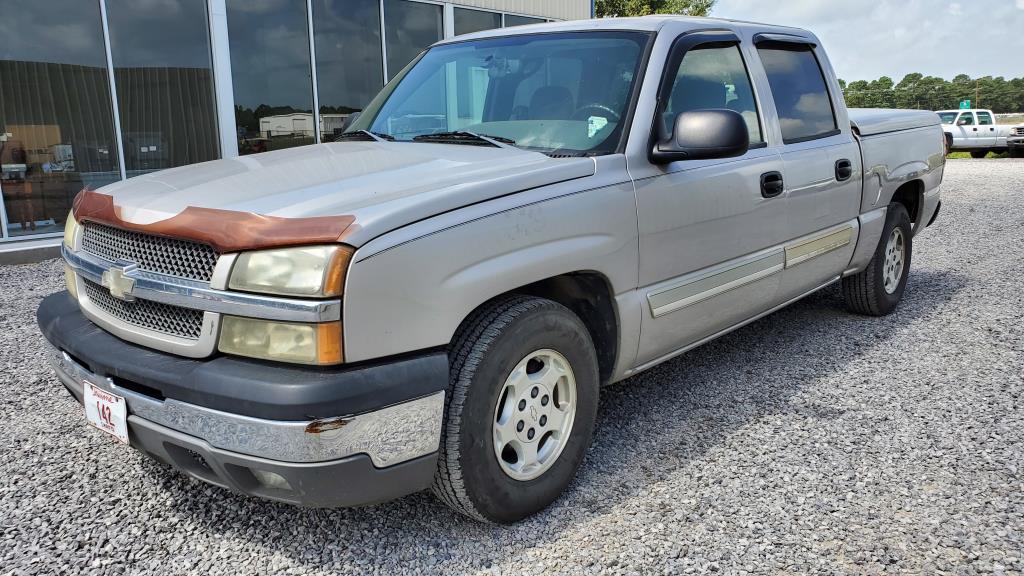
[978, 154]
[865, 292]
[949, 143]
[1016, 152]
[487, 347]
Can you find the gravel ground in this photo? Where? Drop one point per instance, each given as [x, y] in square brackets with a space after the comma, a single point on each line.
[810, 441]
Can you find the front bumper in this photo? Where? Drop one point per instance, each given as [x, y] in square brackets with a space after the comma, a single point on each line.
[383, 446]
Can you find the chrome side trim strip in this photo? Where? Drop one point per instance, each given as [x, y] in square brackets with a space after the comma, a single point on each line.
[804, 251]
[737, 326]
[716, 282]
[389, 436]
[200, 296]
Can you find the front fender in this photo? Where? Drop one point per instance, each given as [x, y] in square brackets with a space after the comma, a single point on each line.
[413, 294]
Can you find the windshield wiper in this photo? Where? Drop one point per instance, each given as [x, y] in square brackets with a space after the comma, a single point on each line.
[467, 138]
[364, 136]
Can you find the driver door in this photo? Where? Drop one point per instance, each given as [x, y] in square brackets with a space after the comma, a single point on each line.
[710, 235]
[965, 132]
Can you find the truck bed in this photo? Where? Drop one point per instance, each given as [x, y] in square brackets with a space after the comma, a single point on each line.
[870, 121]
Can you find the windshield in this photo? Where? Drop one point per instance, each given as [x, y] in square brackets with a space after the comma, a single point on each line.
[564, 93]
[948, 117]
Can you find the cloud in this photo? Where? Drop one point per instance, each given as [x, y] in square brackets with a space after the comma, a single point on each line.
[896, 37]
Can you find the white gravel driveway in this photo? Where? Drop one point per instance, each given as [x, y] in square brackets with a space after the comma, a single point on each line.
[812, 441]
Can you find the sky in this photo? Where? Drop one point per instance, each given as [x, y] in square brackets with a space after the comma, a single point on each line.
[869, 39]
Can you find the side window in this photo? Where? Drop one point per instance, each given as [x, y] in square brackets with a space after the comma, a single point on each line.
[800, 94]
[984, 119]
[966, 119]
[713, 78]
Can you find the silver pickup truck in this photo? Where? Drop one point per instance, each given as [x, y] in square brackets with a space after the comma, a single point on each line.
[520, 217]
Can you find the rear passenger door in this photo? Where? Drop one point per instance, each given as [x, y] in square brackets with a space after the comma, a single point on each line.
[986, 129]
[710, 239]
[821, 164]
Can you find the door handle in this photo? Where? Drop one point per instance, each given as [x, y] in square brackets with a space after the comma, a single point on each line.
[844, 169]
[771, 184]
[975, 129]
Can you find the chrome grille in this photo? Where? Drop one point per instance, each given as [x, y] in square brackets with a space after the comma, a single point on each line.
[163, 318]
[1018, 131]
[170, 256]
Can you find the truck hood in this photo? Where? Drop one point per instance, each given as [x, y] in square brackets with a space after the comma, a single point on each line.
[381, 185]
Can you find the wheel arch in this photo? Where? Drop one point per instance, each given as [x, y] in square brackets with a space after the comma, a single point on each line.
[911, 195]
[589, 295]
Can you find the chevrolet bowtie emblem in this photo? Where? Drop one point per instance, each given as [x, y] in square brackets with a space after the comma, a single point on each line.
[116, 280]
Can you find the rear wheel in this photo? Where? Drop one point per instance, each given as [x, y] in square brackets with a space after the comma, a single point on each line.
[977, 154]
[520, 410]
[949, 143]
[878, 289]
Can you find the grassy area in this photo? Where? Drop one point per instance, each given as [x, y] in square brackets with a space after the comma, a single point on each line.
[963, 155]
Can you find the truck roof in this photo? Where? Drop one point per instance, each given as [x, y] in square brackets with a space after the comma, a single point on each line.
[963, 110]
[651, 23]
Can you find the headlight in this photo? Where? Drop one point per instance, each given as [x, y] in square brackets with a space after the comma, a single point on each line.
[311, 271]
[318, 344]
[70, 230]
[71, 282]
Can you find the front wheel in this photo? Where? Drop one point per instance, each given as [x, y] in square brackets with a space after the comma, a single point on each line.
[1017, 152]
[520, 410]
[878, 289]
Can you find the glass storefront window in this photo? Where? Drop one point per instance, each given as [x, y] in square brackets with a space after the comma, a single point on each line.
[513, 20]
[468, 21]
[409, 27]
[56, 124]
[349, 64]
[164, 78]
[270, 74]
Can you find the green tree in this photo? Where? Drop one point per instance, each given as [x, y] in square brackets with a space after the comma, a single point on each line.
[608, 8]
[932, 93]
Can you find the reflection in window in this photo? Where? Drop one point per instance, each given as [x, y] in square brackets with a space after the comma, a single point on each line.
[270, 74]
[512, 20]
[468, 21]
[713, 78]
[349, 65]
[56, 125]
[161, 57]
[564, 94]
[801, 98]
[409, 27]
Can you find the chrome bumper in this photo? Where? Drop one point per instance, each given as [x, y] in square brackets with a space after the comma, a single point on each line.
[389, 436]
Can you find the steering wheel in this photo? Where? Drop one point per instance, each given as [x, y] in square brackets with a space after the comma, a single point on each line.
[615, 117]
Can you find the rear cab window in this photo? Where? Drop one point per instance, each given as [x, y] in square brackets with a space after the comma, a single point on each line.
[799, 90]
[985, 119]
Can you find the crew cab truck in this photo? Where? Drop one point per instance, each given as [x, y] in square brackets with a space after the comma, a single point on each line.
[973, 131]
[520, 217]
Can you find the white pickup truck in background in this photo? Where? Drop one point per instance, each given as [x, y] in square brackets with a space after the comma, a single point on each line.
[974, 131]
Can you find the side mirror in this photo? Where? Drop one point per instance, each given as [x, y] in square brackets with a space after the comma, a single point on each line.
[961, 122]
[704, 134]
